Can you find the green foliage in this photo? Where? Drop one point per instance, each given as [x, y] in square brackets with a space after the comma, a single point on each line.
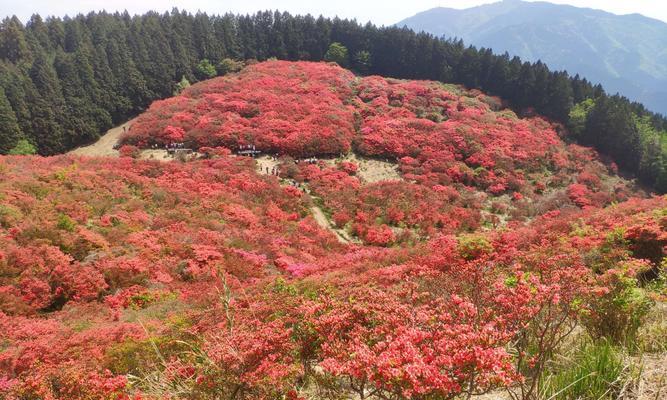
[9, 127]
[617, 313]
[23, 148]
[337, 53]
[659, 284]
[281, 286]
[13, 44]
[473, 246]
[66, 223]
[228, 66]
[594, 371]
[47, 105]
[8, 215]
[611, 128]
[181, 86]
[362, 61]
[579, 115]
[136, 356]
[149, 297]
[652, 166]
[205, 70]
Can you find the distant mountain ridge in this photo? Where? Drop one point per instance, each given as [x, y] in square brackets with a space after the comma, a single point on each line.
[625, 53]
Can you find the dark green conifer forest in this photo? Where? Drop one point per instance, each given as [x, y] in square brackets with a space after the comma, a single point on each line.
[64, 81]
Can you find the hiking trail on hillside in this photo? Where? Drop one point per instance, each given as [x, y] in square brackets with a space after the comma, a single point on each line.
[266, 165]
[104, 147]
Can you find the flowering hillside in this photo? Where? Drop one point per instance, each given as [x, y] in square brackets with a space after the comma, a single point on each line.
[466, 161]
[440, 134]
[279, 107]
[213, 278]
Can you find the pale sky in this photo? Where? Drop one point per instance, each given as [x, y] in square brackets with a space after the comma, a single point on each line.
[380, 12]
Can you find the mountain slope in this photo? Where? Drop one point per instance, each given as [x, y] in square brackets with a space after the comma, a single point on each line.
[626, 53]
[137, 279]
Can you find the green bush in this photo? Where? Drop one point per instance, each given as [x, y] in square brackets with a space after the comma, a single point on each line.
[337, 53]
[181, 86]
[66, 223]
[228, 66]
[138, 356]
[473, 246]
[205, 70]
[23, 148]
[617, 313]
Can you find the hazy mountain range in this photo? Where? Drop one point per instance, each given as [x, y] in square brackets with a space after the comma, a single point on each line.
[626, 53]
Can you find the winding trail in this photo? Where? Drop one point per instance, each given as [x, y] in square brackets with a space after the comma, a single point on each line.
[324, 222]
[265, 165]
[104, 147]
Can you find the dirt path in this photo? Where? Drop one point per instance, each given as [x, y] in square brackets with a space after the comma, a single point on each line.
[265, 166]
[370, 171]
[104, 145]
[324, 222]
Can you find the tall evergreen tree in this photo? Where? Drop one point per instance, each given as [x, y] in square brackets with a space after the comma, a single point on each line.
[559, 98]
[16, 85]
[39, 32]
[611, 128]
[47, 108]
[10, 133]
[13, 44]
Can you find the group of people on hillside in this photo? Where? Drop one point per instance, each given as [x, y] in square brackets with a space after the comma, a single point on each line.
[248, 150]
[312, 160]
[273, 171]
[173, 146]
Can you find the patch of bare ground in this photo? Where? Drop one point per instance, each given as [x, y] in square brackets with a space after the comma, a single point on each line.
[652, 383]
[324, 222]
[159, 155]
[266, 164]
[371, 170]
[104, 147]
[497, 395]
[653, 379]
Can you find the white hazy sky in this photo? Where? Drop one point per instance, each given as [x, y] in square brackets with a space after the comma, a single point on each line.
[381, 12]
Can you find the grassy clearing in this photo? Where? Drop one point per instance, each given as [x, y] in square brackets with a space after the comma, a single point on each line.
[592, 370]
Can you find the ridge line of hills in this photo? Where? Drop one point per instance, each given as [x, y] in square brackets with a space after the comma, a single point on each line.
[625, 53]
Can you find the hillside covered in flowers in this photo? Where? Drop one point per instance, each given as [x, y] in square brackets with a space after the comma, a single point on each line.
[496, 246]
